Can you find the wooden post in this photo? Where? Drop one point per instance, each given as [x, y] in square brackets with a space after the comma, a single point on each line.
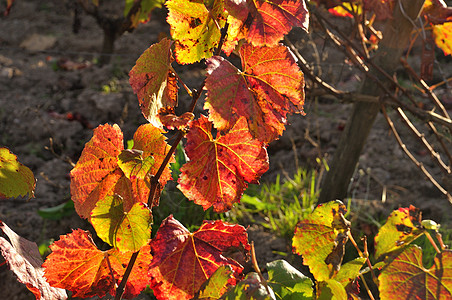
[396, 36]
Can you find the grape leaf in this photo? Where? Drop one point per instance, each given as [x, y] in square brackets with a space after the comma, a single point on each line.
[215, 286]
[331, 290]
[77, 265]
[218, 169]
[23, 258]
[443, 37]
[406, 278]
[126, 231]
[264, 22]
[153, 81]
[183, 261]
[287, 282]
[402, 227]
[349, 271]
[263, 97]
[169, 119]
[195, 27]
[320, 239]
[15, 178]
[99, 171]
[250, 288]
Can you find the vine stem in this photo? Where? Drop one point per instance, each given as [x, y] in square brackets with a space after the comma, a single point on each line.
[366, 286]
[122, 285]
[154, 180]
[256, 268]
[432, 242]
[364, 255]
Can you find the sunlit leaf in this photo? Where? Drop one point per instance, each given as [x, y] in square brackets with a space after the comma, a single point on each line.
[195, 28]
[264, 22]
[218, 169]
[105, 168]
[169, 119]
[406, 278]
[23, 258]
[153, 81]
[287, 282]
[443, 37]
[77, 265]
[349, 271]
[402, 227]
[331, 290]
[215, 286]
[320, 239]
[268, 89]
[15, 178]
[126, 231]
[183, 261]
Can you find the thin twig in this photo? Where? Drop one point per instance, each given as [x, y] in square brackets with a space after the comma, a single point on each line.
[413, 159]
[111, 270]
[367, 287]
[256, 268]
[422, 139]
[432, 242]
[122, 285]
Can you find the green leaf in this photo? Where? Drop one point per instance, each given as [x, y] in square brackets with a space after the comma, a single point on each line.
[320, 239]
[287, 282]
[406, 277]
[349, 271]
[133, 165]
[402, 227]
[15, 178]
[331, 290]
[250, 288]
[215, 286]
[126, 231]
[57, 212]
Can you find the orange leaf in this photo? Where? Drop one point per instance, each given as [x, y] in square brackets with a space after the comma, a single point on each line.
[77, 265]
[218, 168]
[183, 261]
[270, 87]
[97, 174]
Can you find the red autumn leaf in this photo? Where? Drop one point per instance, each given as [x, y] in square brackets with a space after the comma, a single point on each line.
[269, 87]
[270, 20]
[218, 169]
[183, 261]
[169, 119]
[381, 8]
[153, 81]
[77, 265]
[98, 173]
[23, 258]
